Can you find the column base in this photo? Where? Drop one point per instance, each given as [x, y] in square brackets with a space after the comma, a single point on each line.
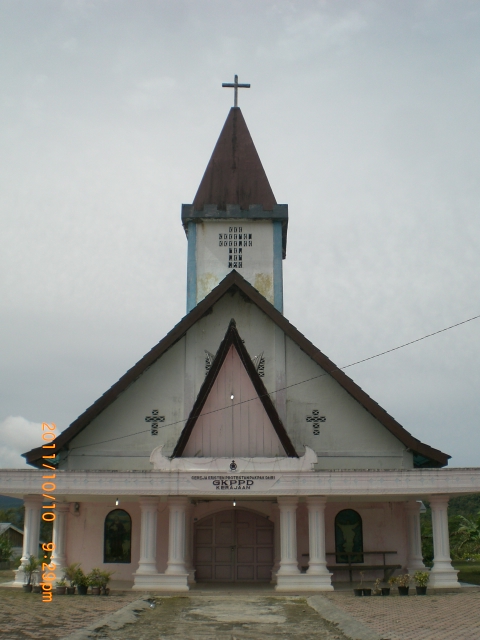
[304, 582]
[19, 580]
[443, 579]
[417, 566]
[160, 582]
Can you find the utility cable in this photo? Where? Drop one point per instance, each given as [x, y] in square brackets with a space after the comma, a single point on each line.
[295, 384]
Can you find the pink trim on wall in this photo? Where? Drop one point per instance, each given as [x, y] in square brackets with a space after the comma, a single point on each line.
[233, 427]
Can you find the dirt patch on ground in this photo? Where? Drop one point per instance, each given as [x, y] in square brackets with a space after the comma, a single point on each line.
[226, 618]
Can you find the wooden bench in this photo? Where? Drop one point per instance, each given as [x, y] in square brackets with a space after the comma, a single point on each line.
[352, 566]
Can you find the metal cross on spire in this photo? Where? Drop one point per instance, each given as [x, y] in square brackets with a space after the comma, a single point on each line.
[235, 86]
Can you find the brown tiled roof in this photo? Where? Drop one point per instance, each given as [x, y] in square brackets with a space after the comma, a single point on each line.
[234, 281]
[235, 174]
[232, 338]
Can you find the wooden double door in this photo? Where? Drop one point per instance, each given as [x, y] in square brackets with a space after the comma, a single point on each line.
[233, 546]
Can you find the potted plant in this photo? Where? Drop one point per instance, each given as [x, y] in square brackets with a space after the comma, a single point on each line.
[81, 580]
[402, 582]
[105, 576]
[60, 587]
[95, 581]
[358, 591]
[386, 590]
[28, 569]
[421, 579]
[377, 591]
[70, 573]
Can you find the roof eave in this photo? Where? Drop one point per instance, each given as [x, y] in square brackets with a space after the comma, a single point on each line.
[234, 279]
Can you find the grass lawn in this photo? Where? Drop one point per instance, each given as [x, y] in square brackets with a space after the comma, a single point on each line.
[469, 571]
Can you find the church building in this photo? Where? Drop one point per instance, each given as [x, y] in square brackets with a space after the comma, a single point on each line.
[235, 450]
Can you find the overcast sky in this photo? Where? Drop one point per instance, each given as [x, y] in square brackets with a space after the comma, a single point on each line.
[365, 115]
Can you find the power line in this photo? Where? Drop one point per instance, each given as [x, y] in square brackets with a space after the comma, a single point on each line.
[295, 384]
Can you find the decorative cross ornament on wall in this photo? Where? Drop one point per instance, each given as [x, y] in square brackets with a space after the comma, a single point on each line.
[316, 418]
[234, 85]
[154, 419]
[236, 240]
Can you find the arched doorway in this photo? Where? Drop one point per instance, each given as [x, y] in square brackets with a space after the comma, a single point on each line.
[233, 546]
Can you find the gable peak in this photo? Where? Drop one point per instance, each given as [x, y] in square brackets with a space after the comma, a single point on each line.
[216, 425]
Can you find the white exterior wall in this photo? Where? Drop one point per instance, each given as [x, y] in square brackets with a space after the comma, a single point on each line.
[161, 387]
[350, 438]
[213, 252]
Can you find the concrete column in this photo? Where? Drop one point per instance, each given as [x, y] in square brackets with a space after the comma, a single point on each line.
[31, 534]
[414, 538]
[317, 573]
[189, 544]
[59, 555]
[147, 566]
[442, 575]
[288, 573]
[176, 536]
[288, 536]
[276, 542]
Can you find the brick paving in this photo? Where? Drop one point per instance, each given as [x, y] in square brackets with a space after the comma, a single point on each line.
[449, 616]
[23, 616]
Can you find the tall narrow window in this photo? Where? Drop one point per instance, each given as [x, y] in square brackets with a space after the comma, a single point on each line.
[348, 536]
[117, 537]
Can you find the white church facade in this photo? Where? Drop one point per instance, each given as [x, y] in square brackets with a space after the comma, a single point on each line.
[235, 450]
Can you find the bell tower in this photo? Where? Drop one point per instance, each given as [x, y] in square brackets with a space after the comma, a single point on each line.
[235, 221]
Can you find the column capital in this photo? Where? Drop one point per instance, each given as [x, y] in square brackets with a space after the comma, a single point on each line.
[32, 500]
[319, 501]
[148, 501]
[439, 500]
[413, 505]
[287, 501]
[178, 501]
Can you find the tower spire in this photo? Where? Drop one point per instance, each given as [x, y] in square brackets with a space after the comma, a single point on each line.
[234, 221]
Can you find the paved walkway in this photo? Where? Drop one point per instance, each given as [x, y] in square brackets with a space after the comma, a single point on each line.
[229, 615]
[227, 618]
[23, 616]
[454, 616]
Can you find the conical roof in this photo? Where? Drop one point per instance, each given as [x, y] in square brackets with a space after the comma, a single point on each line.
[235, 174]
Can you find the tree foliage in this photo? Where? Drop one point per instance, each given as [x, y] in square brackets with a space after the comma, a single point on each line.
[463, 525]
[5, 547]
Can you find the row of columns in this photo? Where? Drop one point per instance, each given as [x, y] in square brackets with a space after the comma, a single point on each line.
[317, 578]
[180, 572]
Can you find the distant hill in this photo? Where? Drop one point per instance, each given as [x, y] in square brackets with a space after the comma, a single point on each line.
[467, 506]
[8, 503]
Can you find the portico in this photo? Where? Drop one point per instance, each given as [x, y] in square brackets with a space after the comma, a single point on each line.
[297, 524]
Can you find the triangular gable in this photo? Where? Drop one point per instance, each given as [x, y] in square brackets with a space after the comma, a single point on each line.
[234, 281]
[246, 425]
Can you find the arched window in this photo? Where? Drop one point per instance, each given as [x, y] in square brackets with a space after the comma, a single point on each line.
[117, 540]
[348, 536]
